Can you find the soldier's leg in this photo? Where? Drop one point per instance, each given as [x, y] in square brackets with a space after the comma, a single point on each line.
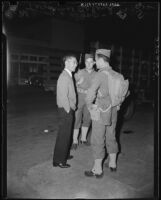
[86, 123]
[77, 123]
[111, 143]
[98, 144]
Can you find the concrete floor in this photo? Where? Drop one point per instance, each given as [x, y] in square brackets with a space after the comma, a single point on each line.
[29, 154]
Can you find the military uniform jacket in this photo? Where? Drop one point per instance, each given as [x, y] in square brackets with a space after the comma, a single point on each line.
[85, 78]
[66, 96]
[98, 93]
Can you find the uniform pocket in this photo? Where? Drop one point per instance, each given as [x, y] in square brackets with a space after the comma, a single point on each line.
[95, 113]
[106, 115]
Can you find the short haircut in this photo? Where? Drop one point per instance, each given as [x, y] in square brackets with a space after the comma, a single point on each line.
[68, 56]
[105, 58]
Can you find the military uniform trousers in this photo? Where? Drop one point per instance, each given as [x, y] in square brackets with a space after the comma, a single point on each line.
[104, 135]
[82, 115]
[63, 140]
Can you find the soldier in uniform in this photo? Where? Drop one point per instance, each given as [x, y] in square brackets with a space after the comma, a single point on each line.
[82, 116]
[66, 101]
[103, 128]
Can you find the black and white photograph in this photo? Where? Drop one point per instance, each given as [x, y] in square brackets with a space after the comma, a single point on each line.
[80, 99]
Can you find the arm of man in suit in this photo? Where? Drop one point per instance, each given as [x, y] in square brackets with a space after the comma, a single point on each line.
[91, 93]
[63, 87]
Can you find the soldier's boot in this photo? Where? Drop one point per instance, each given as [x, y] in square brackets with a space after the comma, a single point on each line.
[112, 162]
[96, 170]
[84, 132]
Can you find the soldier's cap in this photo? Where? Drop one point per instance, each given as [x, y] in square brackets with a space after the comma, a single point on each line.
[105, 52]
[89, 55]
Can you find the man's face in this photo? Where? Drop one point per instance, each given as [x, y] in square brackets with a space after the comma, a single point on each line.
[89, 62]
[99, 62]
[71, 63]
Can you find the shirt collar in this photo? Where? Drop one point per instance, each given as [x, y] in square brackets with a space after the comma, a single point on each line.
[105, 68]
[69, 72]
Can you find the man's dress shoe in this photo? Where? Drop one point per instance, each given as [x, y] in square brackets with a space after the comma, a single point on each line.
[92, 174]
[61, 165]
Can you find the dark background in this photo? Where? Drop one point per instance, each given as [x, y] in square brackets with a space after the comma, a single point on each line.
[101, 26]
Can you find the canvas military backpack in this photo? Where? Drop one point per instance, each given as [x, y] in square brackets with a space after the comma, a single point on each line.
[118, 87]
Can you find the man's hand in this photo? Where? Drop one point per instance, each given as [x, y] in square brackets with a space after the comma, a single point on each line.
[89, 107]
[128, 93]
[118, 107]
[67, 111]
[80, 81]
[92, 107]
[73, 107]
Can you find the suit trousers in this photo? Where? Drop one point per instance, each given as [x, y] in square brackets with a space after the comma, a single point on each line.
[104, 135]
[63, 140]
[82, 115]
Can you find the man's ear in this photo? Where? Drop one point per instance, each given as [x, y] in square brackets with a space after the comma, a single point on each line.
[66, 62]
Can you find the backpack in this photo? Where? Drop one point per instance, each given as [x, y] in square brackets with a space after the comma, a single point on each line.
[118, 87]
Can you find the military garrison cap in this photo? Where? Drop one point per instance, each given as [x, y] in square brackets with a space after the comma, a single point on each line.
[89, 55]
[105, 52]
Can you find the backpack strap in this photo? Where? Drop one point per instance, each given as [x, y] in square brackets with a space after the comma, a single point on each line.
[100, 94]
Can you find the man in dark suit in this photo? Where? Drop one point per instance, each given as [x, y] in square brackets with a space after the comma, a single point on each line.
[66, 102]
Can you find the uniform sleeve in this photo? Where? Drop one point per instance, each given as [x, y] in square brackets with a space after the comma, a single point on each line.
[63, 89]
[92, 91]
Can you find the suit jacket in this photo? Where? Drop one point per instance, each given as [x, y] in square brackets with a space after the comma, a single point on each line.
[66, 96]
[99, 93]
